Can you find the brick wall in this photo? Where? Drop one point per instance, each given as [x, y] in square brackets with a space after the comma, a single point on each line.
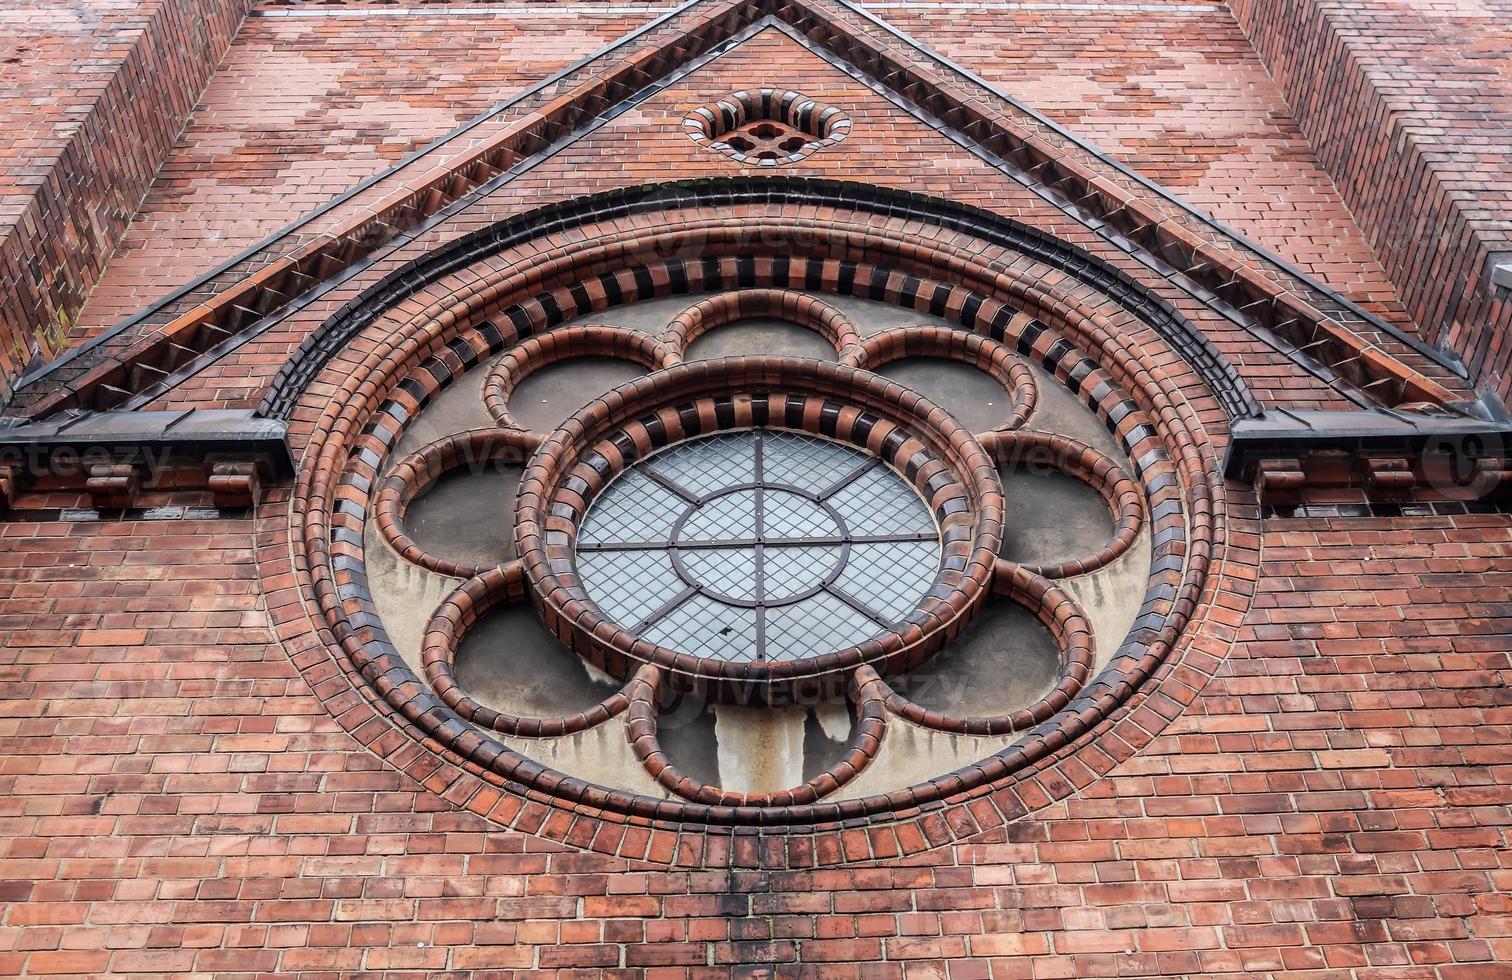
[1409, 107]
[173, 798]
[303, 107]
[94, 95]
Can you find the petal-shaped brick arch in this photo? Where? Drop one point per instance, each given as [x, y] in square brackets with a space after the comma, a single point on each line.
[925, 258]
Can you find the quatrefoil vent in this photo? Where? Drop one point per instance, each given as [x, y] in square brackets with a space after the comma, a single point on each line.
[767, 127]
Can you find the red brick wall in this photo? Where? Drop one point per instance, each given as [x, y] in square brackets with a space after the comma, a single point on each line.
[173, 798]
[94, 95]
[305, 107]
[1179, 95]
[1409, 107]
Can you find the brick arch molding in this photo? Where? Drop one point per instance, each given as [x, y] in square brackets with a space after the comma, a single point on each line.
[786, 192]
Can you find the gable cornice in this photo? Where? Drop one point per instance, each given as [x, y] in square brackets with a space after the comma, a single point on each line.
[1359, 355]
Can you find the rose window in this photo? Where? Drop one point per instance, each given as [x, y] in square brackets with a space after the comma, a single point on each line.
[762, 582]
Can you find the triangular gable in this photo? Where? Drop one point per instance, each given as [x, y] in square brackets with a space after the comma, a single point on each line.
[135, 361]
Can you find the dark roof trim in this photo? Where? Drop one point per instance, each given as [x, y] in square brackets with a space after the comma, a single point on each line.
[1282, 434]
[152, 438]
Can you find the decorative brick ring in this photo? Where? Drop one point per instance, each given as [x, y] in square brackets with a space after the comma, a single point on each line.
[559, 345]
[983, 353]
[416, 473]
[1058, 611]
[787, 305]
[472, 600]
[868, 695]
[1080, 462]
[767, 127]
[710, 506]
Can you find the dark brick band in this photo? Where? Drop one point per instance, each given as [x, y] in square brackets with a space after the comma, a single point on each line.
[828, 199]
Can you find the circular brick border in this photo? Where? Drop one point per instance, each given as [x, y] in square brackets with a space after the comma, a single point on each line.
[1032, 773]
[787, 305]
[559, 345]
[458, 612]
[1094, 468]
[917, 439]
[826, 202]
[416, 473]
[1058, 611]
[973, 350]
[725, 126]
[867, 693]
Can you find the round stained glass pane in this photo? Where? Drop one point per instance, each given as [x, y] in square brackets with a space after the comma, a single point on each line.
[761, 545]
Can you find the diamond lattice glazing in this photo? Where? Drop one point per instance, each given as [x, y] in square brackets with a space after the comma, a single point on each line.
[759, 545]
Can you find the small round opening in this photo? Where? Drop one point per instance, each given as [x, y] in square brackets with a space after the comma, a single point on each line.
[767, 127]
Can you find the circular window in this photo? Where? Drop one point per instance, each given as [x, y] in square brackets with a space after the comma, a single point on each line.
[767, 127]
[762, 545]
[761, 590]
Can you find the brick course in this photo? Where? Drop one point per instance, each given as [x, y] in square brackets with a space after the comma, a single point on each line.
[1330, 801]
[1164, 74]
